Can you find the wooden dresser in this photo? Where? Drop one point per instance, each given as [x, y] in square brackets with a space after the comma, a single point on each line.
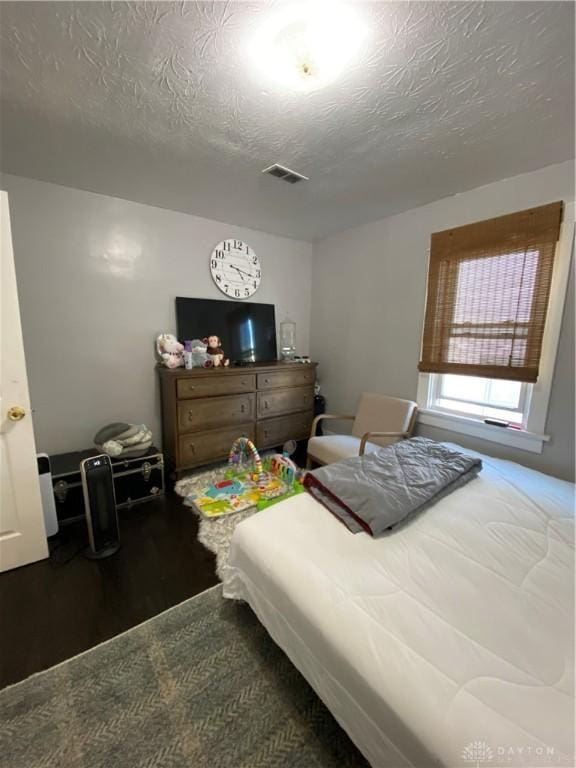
[205, 409]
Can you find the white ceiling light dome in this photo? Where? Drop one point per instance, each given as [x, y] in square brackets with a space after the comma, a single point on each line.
[307, 45]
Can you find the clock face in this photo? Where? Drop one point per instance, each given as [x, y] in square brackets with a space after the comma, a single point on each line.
[235, 269]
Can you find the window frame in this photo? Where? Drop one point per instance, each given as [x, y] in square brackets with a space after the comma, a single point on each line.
[533, 437]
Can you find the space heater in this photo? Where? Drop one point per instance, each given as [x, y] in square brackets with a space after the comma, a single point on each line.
[100, 505]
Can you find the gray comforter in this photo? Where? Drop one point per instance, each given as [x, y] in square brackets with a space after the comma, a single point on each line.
[377, 491]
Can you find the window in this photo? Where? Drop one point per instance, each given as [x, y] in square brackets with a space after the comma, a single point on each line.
[494, 307]
[488, 290]
[482, 398]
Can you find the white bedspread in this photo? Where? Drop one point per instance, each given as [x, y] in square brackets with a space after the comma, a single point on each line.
[451, 635]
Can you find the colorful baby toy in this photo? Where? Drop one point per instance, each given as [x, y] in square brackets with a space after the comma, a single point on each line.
[248, 482]
[242, 450]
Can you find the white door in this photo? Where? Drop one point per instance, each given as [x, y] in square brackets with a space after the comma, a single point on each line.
[22, 533]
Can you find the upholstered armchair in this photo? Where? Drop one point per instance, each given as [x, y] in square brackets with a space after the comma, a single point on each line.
[379, 421]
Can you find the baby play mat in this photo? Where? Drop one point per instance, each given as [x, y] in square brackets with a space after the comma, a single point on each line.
[248, 483]
[238, 492]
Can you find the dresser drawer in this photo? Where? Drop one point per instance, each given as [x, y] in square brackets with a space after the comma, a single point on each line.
[277, 431]
[210, 386]
[281, 401]
[204, 447]
[299, 376]
[196, 415]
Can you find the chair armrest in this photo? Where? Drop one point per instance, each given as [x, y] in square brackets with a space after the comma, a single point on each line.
[367, 435]
[318, 419]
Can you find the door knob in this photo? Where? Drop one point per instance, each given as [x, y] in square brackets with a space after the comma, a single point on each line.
[16, 413]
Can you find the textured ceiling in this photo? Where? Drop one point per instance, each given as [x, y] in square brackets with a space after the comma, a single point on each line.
[156, 102]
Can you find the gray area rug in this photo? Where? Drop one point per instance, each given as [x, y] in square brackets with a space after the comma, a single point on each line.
[199, 686]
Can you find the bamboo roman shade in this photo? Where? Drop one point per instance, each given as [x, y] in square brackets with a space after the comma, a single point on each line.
[488, 290]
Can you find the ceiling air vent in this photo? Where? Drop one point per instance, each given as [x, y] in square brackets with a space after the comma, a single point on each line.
[292, 177]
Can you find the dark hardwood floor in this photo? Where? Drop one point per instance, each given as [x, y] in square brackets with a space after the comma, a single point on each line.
[53, 609]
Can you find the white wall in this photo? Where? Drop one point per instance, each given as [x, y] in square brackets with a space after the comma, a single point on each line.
[369, 288]
[97, 277]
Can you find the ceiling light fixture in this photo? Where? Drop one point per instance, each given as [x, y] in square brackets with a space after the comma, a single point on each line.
[306, 46]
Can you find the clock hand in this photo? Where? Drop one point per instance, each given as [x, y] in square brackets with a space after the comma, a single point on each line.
[242, 272]
[239, 271]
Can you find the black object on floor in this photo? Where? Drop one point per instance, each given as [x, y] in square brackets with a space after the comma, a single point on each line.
[319, 409]
[57, 608]
[100, 506]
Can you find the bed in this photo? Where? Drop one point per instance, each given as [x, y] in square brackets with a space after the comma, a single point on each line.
[448, 641]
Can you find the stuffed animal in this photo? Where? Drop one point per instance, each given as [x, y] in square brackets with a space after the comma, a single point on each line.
[199, 356]
[170, 350]
[215, 352]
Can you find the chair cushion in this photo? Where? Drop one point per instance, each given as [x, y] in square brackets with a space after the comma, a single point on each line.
[330, 448]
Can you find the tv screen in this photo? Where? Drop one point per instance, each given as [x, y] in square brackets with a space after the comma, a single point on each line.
[247, 330]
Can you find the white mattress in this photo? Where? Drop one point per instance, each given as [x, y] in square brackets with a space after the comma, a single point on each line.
[456, 629]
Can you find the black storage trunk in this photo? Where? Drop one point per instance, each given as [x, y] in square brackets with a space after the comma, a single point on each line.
[135, 480]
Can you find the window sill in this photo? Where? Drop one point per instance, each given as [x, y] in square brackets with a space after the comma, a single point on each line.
[525, 441]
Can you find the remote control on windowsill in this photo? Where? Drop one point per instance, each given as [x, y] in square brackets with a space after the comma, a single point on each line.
[506, 424]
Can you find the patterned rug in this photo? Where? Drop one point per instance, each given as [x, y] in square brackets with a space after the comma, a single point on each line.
[199, 686]
[215, 534]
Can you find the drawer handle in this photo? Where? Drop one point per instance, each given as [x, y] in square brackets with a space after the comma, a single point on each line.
[191, 387]
[266, 433]
[190, 416]
[266, 381]
[191, 448]
[242, 408]
[244, 383]
[265, 405]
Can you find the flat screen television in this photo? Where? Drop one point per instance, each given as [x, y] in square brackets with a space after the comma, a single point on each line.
[247, 330]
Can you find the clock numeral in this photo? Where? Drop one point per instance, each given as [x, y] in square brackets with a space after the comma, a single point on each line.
[226, 246]
[219, 254]
[246, 292]
[257, 273]
[238, 245]
[237, 293]
[255, 284]
[218, 278]
[214, 263]
[254, 259]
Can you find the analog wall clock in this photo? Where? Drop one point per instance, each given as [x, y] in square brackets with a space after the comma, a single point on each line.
[235, 269]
